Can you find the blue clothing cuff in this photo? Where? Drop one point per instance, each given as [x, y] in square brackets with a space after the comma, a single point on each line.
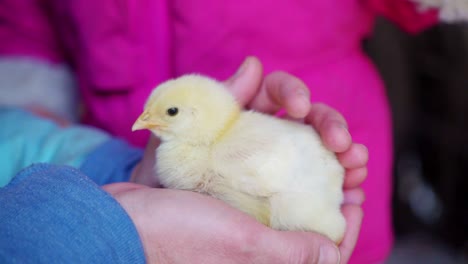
[113, 161]
[26, 139]
[55, 214]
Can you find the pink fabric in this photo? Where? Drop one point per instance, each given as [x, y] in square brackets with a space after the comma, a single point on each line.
[121, 49]
[120, 52]
[26, 30]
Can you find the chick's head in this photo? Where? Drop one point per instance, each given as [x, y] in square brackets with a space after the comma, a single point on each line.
[191, 108]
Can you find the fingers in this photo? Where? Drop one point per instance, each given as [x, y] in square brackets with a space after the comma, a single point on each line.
[278, 90]
[354, 196]
[297, 247]
[245, 83]
[354, 177]
[355, 157]
[282, 90]
[331, 126]
[354, 160]
[353, 215]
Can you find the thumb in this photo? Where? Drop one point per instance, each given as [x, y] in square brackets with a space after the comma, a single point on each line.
[245, 83]
[300, 247]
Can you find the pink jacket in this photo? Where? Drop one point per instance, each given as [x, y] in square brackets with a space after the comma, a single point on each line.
[120, 50]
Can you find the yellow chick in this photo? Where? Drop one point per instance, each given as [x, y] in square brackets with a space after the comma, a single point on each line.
[275, 170]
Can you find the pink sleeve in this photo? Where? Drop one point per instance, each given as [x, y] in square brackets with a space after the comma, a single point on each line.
[405, 14]
[98, 41]
[25, 30]
[119, 50]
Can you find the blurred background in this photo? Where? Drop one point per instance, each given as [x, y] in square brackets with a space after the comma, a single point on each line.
[427, 85]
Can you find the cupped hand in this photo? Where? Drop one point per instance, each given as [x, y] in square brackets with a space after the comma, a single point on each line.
[280, 90]
[186, 227]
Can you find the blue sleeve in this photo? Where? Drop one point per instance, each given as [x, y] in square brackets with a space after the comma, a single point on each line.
[55, 214]
[112, 161]
[26, 139]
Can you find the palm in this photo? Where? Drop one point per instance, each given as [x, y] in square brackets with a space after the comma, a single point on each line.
[181, 227]
[171, 220]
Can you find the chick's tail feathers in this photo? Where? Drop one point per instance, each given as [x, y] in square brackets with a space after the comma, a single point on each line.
[308, 212]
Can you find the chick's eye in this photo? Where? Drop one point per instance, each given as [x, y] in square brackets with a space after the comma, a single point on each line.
[172, 111]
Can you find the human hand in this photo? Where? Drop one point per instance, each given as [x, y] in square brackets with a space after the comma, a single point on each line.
[186, 227]
[281, 90]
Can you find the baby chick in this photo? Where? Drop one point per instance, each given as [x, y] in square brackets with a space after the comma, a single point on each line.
[275, 170]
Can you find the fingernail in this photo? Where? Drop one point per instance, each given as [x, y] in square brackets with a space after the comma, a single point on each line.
[344, 126]
[329, 254]
[301, 92]
[304, 96]
[340, 124]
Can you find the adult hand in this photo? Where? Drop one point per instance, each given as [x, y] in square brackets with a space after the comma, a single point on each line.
[281, 90]
[186, 227]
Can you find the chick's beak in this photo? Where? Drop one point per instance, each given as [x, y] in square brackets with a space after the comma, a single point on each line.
[144, 122]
